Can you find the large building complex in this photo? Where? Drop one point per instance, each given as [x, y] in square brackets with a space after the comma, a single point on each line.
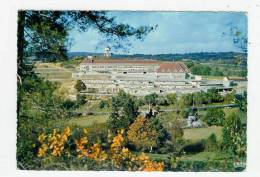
[138, 77]
[142, 77]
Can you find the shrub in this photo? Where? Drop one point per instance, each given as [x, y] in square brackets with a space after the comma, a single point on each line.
[104, 104]
[215, 117]
[80, 86]
[74, 144]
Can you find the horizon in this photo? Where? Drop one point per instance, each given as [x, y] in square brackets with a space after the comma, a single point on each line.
[240, 52]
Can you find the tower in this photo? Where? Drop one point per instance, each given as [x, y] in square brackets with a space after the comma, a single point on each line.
[107, 53]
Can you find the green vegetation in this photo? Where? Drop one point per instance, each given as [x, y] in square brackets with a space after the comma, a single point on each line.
[202, 133]
[80, 86]
[89, 120]
[214, 117]
[217, 69]
[112, 134]
[124, 111]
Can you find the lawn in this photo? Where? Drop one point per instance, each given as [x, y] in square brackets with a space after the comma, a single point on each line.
[89, 120]
[196, 134]
[205, 156]
[53, 71]
[202, 156]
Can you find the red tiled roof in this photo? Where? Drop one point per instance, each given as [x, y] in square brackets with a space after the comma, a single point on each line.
[172, 67]
[121, 61]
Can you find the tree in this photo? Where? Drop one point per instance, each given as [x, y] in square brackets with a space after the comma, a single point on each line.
[141, 134]
[124, 111]
[80, 86]
[172, 98]
[214, 96]
[234, 136]
[162, 136]
[81, 99]
[103, 104]
[241, 100]
[151, 99]
[230, 97]
[215, 117]
[201, 70]
[44, 34]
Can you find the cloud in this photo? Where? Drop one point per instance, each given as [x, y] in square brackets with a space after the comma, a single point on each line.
[177, 32]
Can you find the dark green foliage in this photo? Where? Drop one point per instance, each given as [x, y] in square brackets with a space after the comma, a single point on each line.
[214, 96]
[104, 104]
[234, 136]
[196, 147]
[81, 99]
[162, 135]
[217, 72]
[80, 86]
[201, 70]
[70, 105]
[37, 106]
[124, 112]
[189, 64]
[214, 117]
[151, 99]
[241, 100]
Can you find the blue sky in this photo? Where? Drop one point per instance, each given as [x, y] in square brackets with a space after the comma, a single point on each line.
[177, 32]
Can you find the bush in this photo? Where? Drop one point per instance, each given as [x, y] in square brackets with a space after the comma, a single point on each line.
[194, 147]
[80, 86]
[215, 116]
[104, 104]
[81, 99]
[71, 147]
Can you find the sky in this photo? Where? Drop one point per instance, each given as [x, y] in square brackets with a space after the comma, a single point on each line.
[177, 32]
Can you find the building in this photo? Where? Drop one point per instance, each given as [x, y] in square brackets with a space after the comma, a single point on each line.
[138, 77]
[141, 77]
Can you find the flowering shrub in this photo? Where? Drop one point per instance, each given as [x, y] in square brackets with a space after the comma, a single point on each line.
[59, 144]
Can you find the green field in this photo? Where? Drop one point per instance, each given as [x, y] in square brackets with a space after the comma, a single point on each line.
[89, 120]
[205, 156]
[196, 134]
[202, 156]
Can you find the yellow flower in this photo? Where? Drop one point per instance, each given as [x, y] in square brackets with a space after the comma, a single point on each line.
[85, 131]
[42, 137]
[42, 150]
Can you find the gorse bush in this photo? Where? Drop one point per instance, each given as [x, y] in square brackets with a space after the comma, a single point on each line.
[68, 144]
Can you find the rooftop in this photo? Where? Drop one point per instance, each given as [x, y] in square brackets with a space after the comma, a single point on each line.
[133, 61]
[164, 67]
[169, 67]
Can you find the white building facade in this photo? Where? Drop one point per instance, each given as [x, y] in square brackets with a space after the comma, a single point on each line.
[137, 77]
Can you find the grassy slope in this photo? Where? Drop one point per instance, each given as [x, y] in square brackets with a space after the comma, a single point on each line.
[196, 134]
[88, 120]
[54, 72]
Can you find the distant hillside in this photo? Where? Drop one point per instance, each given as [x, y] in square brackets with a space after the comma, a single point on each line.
[202, 56]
